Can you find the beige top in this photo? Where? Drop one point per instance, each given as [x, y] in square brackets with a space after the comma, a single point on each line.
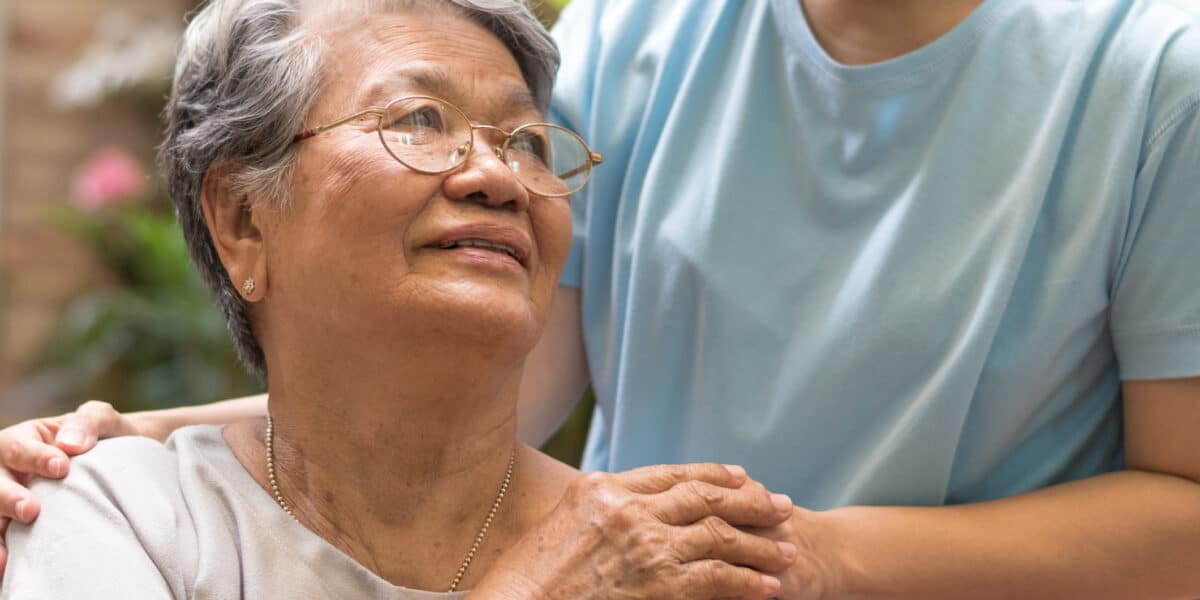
[137, 519]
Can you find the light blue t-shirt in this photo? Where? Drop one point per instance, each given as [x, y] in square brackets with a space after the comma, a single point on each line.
[920, 281]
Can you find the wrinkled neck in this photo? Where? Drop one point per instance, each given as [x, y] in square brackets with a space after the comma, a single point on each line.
[395, 460]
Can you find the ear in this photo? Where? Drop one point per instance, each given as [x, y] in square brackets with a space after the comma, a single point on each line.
[236, 232]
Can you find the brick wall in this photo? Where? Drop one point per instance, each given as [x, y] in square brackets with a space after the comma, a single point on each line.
[40, 148]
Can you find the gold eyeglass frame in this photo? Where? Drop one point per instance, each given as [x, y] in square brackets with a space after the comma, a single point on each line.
[594, 158]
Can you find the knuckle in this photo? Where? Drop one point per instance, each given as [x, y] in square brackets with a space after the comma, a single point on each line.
[589, 488]
[623, 513]
[12, 451]
[663, 476]
[632, 504]
[8, 448]
[764, 503]
[674, 471]
[722, 533]
[713, 575]
[705, 493]
[648, 543]
[710, 472]
[708, 579]
[590, 481]
[98, 409]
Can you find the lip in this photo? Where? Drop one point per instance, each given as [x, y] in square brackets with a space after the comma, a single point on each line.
[501, 235]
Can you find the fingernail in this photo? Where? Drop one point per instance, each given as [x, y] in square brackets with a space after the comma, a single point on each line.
[72, 437]
[771, 583]
[736, 471]
[21, 510]
[788, 550]
[782, 502]
[57, 466]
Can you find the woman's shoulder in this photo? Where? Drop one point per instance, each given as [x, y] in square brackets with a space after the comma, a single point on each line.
[552, 474]
[544, 480]
[116, 467]
[136, 464]
[132, 480]
[117, 521]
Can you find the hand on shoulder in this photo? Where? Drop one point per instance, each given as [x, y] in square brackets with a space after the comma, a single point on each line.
[43, 448]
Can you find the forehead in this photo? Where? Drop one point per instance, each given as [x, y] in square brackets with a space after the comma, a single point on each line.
[374, 59]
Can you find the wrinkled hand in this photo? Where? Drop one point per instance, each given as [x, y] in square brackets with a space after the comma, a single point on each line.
[44, 447]
[656, 532]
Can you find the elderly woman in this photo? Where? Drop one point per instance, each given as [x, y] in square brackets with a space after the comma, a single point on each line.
[368, 188]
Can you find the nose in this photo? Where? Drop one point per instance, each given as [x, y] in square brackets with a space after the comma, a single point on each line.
[484, 178]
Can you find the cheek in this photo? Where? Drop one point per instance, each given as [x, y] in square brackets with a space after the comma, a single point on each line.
[552, 225]
[362, 196]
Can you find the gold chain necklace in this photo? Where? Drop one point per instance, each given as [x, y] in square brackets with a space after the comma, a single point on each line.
[462, 570]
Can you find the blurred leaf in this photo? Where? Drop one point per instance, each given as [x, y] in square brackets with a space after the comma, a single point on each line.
[568, 443]
[156, 339]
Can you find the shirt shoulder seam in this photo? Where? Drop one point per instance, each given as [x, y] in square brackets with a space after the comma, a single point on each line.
[1174, 118]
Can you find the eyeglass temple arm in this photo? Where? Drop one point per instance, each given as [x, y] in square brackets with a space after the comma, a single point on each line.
[594, 158]
[307, 133]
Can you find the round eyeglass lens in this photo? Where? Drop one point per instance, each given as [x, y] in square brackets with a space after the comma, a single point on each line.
[425, 134]
[549, 160]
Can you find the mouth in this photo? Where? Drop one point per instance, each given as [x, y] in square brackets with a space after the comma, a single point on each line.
[509, 243]
[484, 244]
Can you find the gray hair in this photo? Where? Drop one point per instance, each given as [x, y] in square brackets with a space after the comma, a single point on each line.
[247, 75]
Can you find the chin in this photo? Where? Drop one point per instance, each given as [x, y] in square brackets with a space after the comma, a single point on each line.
[497, 316]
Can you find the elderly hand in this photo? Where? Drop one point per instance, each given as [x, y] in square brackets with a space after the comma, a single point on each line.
[44, 447]
[656, 532]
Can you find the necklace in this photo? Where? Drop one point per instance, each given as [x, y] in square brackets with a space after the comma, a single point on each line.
[466, 563]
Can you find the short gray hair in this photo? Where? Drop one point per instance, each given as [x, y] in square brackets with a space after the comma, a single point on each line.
[247, 75]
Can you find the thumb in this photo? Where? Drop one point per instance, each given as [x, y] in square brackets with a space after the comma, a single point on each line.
[91, 422]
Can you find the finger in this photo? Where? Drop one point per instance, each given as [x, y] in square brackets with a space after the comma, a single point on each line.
[748, 506]
[83, 428]
[15, 501]
[3, 546]
[713, 538]
[34, 457]
[659, 478]
[711, 579]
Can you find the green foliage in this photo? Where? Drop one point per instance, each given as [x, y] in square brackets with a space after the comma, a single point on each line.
[567, 445]
[154, 339]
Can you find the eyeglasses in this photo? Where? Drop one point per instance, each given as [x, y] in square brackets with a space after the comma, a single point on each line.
[432, 136]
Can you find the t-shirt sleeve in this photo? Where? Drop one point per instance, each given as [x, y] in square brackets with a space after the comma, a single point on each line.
[1155, 312]
[576, 36]
[91, 541]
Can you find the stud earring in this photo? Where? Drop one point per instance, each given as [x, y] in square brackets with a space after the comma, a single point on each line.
[248, 286]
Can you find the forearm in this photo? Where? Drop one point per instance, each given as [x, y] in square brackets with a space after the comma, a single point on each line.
[160, 423]
[556, 372]
[1122, 535]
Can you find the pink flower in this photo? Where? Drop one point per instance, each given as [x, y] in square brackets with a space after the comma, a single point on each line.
[110, 176]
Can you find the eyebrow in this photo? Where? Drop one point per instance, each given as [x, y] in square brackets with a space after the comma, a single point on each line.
[433, 80]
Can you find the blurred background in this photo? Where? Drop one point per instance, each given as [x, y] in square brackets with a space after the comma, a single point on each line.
[98, 297]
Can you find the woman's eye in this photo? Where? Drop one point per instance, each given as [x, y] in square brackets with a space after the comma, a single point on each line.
[531, 144]
[422, 125]
[421, 118]
[426, 117]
